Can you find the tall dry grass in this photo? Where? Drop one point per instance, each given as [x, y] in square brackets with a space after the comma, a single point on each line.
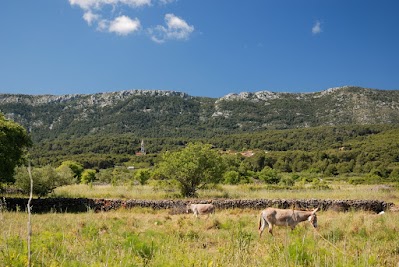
[144, 237]
[246, 191]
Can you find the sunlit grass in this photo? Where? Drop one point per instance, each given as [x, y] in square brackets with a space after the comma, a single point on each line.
[109, 191]
[144, 237]
[147, 237]
[247, 191]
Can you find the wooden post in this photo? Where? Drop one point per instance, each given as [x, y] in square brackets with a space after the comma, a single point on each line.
[29, 215]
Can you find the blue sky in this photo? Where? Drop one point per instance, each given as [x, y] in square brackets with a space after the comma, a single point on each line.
[200, 47]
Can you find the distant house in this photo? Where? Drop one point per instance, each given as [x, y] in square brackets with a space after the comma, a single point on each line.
[248, 153]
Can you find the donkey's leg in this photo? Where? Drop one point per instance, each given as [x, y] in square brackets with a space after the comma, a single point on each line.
[262, 225]
[270, 228]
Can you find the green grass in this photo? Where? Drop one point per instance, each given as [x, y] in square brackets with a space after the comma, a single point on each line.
[144, 237]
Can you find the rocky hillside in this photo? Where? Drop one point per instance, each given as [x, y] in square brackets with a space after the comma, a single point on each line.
[174, 114]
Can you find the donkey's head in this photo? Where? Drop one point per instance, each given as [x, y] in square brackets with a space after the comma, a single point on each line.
[188, 207]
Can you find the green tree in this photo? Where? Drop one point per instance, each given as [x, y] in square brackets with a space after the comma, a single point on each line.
[104, 176]
[232, 161]
[13, 142]
[142, 175]
[65, 175]
[121, 175]
[283, 165]
[45, 180]
[88, 176]
[331, 170]
[256, 162]
[269, 175]
[193, 167]
[231, 177]
[77, 168]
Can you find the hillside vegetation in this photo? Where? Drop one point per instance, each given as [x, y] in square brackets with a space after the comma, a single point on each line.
[156, 114]
[347, 130]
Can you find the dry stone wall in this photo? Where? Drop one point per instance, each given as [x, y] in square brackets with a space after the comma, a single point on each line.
[178, 206]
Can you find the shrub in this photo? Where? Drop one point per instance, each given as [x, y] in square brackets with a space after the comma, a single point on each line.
[77, 168]
[65, 175]
[231, 177]
[356, 181]
[104, 176]
[269, 176]
[287, 181]
[331, 170]
[142, 175]
[394, 175]
[45, 180]
[88, 176]
[319, 184]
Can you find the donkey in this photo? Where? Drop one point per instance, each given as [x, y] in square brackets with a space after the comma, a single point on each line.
[198, 209]
[285, 217]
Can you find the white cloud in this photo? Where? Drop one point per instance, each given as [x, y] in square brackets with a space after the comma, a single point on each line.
[124, 25]
[176, 29]
[103, 25]
[96, 13]
[90, 17]
[316, 29]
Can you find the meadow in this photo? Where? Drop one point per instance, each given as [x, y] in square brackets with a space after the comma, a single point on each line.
[146, 237]
[338, 190]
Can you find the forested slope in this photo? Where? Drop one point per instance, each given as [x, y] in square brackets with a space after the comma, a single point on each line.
[156, 114]
[342, 127]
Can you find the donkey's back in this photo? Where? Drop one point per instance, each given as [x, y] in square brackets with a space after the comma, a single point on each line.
[199, 209]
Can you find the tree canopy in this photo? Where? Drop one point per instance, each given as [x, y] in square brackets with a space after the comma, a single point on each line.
[193, 167]
[14, 140]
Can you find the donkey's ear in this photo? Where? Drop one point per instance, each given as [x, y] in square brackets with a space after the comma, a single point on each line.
[316, 209]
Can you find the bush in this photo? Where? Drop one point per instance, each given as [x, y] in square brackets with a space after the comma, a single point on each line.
[394, 175]
[356, 181]
[76, 168]
[287, 181]
[45, 179]
[319, 184]
[269, 176]
[142, 176]
[331, 170]
[231, 177]
[88, 176]
[380, 172]
[66, 175]
[121, 175]
[104, 176]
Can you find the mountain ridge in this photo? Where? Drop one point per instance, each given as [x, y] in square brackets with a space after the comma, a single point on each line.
[163, 113]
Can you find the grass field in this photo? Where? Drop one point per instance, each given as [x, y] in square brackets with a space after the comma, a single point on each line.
[144, 237]
[246, 191]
